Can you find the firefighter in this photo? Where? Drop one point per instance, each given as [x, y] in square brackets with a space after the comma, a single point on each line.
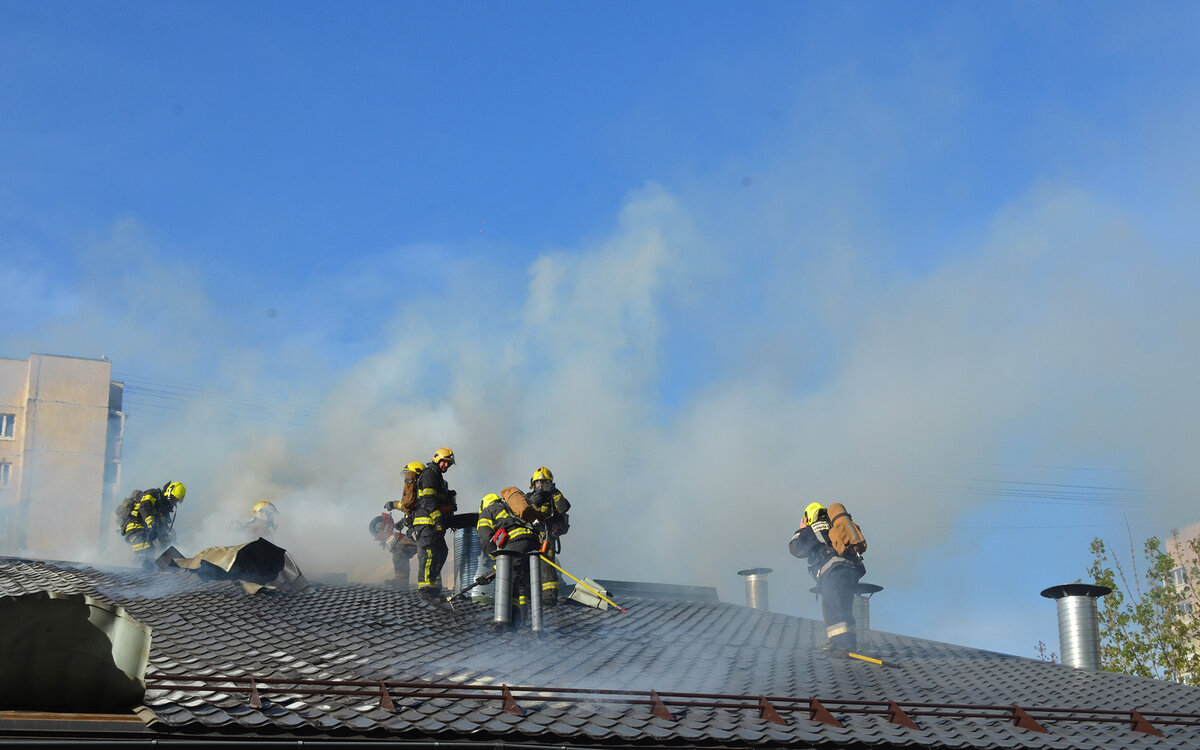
[489, 508]
[400, 540]
[554, 507]
[150, 521]
[499, 528]
[262, 521]
[435, 501]
[836, 576]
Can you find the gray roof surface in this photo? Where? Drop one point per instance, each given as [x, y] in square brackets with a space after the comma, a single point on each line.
[443, 670]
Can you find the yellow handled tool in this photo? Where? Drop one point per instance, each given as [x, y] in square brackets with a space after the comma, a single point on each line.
[871, 659]
[581, 583]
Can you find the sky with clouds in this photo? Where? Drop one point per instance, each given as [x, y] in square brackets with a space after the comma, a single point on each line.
[708, 262]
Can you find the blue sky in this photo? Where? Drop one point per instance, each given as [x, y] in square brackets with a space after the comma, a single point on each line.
[707, 261]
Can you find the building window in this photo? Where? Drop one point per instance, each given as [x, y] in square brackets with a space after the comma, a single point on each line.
[1178, 576]
[5, 473]
[7, 422]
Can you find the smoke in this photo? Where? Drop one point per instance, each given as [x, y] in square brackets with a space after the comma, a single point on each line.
[688, 408]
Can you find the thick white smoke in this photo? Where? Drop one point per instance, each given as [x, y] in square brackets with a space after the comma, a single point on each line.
[1063, 338]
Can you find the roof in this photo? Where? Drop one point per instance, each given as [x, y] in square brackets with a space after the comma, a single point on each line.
[373, 662]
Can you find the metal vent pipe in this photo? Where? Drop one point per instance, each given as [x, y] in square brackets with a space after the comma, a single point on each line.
[535, 591]
[467, 553]
[756, 587]
[502, 614]
[862, 610]
[1078, 630]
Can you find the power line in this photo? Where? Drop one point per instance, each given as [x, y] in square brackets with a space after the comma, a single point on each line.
[1042, 493]
[156, 395]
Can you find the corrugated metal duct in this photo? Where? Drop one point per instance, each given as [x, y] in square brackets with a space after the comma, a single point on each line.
[1078, 630]
[756, 587]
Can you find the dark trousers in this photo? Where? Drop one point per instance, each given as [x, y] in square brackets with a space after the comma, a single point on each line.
[402, 555]
[837, 605]
[549, 581]
[431, 556]
[525, 548]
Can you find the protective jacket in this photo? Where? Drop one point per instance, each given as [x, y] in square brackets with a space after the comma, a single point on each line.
[495, 517]
[554, 507]
[150, 520]
[812, 542]
[434, 499]
[260, 527]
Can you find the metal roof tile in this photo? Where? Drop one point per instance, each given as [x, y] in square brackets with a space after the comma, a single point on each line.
[592, 730]
[626, 731]
[361, 722]
[464, 726]
[333, 632]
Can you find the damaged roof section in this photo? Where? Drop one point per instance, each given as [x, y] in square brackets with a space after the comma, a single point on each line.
[374, 662]
[255, 565]
[69, 652]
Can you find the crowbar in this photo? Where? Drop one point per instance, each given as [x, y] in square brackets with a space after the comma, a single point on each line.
[581, 583]
[880, 662]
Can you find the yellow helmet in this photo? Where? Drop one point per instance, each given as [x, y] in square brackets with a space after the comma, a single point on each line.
[542, 474]
[443, 454]
[488, 499]
[265, 507]
[416, 466]
[175, 491]
[811, 511]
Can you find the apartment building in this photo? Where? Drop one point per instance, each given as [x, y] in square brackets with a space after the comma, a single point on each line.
[1179, 547]
[60, 455]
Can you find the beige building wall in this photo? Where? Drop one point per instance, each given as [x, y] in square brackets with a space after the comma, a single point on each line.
[63, 455]
[1179, 547]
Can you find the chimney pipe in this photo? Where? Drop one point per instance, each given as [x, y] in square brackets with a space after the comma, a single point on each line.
[467, 556]
[756, 587]
[1078, 630]
[862, 610]
[502, 606]
[534, 561]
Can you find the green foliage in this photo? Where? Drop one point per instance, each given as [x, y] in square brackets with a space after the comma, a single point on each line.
[1145, 626]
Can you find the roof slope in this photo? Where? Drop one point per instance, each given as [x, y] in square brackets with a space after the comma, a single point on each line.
[443, 671]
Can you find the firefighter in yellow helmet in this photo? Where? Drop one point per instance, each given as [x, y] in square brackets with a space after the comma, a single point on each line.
[149, 520]
[263, 520]
[435, 503]
[499, 527]
[396, 532]
[837, 576]
[489, 507]
[545, 496]
[495, 515]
